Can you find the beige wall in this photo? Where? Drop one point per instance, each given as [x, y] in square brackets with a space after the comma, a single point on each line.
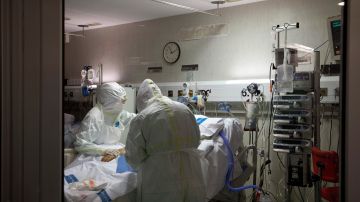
[244, 53]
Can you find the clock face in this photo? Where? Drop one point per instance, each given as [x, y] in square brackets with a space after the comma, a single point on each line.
[171, 52]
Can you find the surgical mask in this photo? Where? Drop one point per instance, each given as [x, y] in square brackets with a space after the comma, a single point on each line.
[114, 108]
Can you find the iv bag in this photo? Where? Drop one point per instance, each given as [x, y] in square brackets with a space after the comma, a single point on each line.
[285, 79]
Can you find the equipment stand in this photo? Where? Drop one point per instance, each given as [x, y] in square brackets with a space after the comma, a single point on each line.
[255, 140]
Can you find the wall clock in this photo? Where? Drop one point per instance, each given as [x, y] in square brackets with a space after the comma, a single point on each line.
[171, 52]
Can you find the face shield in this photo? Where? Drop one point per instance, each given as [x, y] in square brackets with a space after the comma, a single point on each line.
[147, 90]
[111, 96]
[115, 107]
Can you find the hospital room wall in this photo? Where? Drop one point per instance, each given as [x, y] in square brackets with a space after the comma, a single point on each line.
[243, 53]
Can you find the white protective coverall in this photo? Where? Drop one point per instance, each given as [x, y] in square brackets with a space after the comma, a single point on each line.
[162, 144]
[105, 126]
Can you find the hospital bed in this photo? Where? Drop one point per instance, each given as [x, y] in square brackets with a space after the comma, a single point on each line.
[121, 186]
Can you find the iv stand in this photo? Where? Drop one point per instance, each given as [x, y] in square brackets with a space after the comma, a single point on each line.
[317, 115]
[255, 158]
[279, 29]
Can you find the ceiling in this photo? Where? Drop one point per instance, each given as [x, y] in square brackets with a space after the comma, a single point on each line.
[116, 12]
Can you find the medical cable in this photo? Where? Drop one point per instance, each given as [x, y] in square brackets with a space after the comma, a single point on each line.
[262, 168]
[337, 147]
[251, 196]
[327, 54]
[271, 194]
[302, 198]
[321, 45]
[270, 117]
[331, 126]
[309, 194]
[230, 168]
[317, 47]
[283, 165]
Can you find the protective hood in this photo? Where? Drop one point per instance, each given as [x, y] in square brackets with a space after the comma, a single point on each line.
[147, 90]
[111, 96]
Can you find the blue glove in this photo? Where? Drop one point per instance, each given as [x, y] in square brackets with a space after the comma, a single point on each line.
[123, 166]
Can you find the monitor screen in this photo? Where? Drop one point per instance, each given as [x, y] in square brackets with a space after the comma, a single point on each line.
[334, 25]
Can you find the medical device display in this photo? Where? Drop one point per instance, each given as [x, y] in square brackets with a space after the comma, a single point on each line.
[334, 30]
[303, 81]
[299, 169]
[295, 115]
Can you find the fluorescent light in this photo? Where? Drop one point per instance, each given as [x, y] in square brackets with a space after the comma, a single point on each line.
[247, 81]
[341, 3]
[183, 7]
[300, 47]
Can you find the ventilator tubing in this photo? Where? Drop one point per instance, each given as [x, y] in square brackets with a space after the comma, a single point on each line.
[230, 168]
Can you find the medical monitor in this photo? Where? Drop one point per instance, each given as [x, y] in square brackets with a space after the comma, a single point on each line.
[334, 29]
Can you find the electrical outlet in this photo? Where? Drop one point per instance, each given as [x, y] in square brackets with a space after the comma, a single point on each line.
[170, 93]
[180, 93]
[323, 92]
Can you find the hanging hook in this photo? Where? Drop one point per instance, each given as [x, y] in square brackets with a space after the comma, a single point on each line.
[83, 29]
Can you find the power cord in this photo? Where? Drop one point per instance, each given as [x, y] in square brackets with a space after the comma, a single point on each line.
[302, 198]
[331, 126]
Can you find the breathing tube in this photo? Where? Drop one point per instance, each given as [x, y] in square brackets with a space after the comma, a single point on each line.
[230, 158]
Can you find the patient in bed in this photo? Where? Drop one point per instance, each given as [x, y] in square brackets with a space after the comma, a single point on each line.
[104, 129]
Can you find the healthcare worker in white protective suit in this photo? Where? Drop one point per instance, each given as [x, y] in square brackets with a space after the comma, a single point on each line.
[162, 144]
[104, 128]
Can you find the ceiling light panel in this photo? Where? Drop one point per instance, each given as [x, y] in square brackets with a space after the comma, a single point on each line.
[116, 12]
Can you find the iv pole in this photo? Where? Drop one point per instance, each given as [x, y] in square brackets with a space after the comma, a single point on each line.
[279, 29]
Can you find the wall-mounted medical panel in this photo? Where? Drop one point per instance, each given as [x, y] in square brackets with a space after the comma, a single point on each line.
[230, 91]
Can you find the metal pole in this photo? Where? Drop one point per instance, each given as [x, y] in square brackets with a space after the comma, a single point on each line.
[317, 98]
[255, 160]
[317, 186]
[278, 39]
[288, 187]
[101, 74]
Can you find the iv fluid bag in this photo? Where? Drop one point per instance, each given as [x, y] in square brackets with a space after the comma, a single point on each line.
[285, 79]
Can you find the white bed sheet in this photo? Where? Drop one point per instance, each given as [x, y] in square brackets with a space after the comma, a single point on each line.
[121, 187]
[215, 153]
[90, 167]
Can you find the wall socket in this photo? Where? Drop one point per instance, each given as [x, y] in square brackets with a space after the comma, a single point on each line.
[323, 92]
